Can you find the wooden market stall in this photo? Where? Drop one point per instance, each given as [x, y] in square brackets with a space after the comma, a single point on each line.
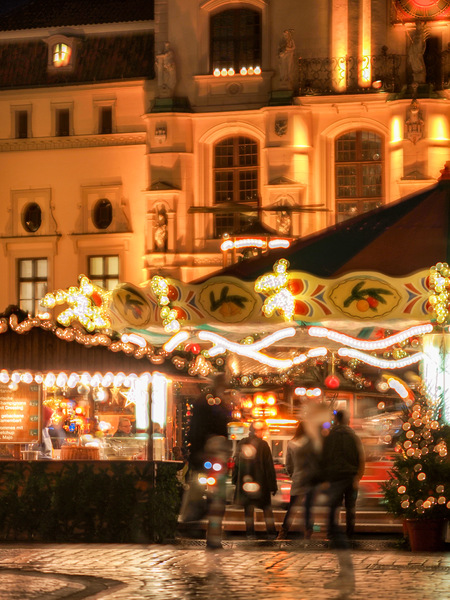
[96, 484]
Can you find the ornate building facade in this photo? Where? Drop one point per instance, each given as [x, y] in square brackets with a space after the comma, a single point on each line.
[133, 138]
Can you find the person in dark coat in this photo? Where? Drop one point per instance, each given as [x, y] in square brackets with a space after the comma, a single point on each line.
[302, 465]
[209, 447]
[343, 466]
[255, 479]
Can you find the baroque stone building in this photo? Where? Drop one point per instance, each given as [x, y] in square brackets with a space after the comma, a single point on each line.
[133, 136]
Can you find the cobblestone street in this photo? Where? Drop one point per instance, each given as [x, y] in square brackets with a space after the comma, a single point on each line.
[240, 571]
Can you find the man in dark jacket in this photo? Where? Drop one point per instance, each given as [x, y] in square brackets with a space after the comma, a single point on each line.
[255, 478]
[343, 466]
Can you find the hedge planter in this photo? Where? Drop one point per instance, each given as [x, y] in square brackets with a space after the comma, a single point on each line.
[88, 501]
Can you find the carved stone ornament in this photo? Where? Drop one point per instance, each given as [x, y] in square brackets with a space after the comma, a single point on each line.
[414, 124]
[161, 132]
[281, 126]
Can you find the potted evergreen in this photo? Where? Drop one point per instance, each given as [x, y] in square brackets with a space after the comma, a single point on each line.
[418, 488]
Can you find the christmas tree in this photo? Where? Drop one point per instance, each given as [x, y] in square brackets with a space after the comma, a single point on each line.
[419, 483]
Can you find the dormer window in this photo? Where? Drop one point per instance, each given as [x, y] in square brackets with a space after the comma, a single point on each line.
[61, 52]
[61, 55]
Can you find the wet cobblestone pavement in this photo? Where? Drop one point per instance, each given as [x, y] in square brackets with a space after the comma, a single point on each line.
[241, 571]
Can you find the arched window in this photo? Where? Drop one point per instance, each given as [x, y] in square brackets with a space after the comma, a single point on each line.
[102, 215]
[236, 175]
[235, 39]
[359, 166]
[32, 217]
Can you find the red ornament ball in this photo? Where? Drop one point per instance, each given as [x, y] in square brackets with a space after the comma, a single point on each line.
[332, 382]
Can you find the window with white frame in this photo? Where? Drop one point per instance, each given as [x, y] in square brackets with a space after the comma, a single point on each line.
[104, 271]
[32, 283]
[236, 181]
[61, 54]
[359, 165]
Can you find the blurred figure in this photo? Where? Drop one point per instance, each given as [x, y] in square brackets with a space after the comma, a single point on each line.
[178, 455]
[209, 450]
[56, 429]
[255, 479]
[302, 464]
[343, 465]
[343, 462]
[45, 448]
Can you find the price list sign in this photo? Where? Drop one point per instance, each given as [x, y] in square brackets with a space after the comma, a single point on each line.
[19, 414]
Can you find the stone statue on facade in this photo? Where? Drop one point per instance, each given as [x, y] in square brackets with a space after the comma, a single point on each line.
[284, 223]
[166, 72]
[416, 51]
[286, 51]
[414, 123]
[161, 231]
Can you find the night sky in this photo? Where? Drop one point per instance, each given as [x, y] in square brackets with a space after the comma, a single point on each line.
[7, 5]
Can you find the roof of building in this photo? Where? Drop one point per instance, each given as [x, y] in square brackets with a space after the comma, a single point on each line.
[98, 58]
[57, 13]
[397, 239]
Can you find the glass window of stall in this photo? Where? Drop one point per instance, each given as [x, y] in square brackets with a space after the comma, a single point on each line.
[83, 416]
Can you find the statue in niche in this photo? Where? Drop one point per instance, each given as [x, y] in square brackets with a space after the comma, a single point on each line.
[284, 222]
[414, 123]
[161, 231]
[286, 50]
[166, 72]
[416, 51]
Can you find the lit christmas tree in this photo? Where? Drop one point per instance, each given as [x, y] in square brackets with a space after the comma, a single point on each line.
[419, 484]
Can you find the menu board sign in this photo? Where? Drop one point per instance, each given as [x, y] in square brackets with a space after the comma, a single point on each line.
[19, 414]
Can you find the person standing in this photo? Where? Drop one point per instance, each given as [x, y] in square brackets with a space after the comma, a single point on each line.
[343, 466]
[302, 464]
[208, 444]
[255, 479]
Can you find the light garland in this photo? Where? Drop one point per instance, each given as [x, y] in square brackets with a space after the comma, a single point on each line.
[244, 350]
[398, 386]
[367, 345]
[275, 284]
[160, 288]
[230, 72]
[439, 282]
[175, 340]
[279, 244]
[253, 243]
[380, 362]
[75, 334]
[87, 305]
[133, 338]
[71, 380]
[221, 344]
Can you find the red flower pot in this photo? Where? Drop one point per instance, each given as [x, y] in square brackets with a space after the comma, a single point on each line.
[426, 535]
